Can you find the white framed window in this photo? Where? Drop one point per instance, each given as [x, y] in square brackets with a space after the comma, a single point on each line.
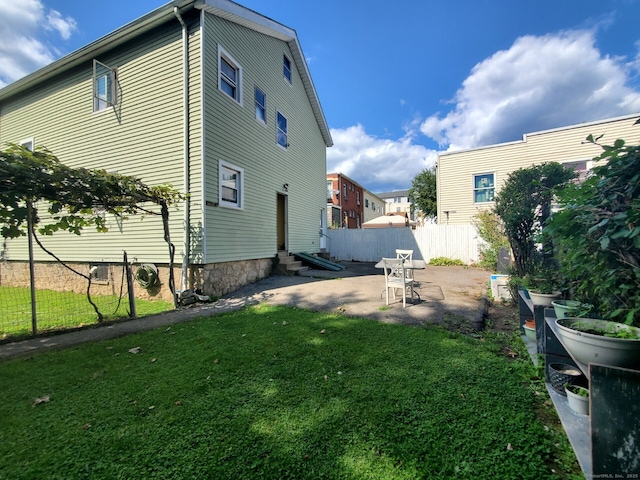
[286, 69]
[282, 130]
[28, 143]
[229, 75]
[261, 105]
[105, 92]
[483, 187]
[231, 185]
[580, 167]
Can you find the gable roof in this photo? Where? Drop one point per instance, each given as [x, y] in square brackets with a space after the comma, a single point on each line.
[226, 9]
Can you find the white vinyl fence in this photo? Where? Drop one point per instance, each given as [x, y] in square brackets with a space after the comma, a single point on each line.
[429, 241]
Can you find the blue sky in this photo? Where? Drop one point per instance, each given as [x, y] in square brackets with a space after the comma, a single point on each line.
[400, 81]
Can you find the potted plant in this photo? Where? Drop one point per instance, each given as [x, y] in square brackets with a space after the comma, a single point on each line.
[543, 287]
[578, 398]
[591, 340]
[530, 331]
[566, 308]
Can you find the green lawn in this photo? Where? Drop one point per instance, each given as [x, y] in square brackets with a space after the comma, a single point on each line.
[276, 393]
[60, 310]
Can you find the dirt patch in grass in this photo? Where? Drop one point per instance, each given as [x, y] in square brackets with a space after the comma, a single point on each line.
[502, 317]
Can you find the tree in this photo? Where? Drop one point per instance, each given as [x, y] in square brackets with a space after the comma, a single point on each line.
[524, 205]
[75, 198]
[423, 192]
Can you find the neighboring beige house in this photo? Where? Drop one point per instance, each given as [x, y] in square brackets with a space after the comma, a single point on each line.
[373, 205]
[208, 96]
[397, 202]
[468, 180]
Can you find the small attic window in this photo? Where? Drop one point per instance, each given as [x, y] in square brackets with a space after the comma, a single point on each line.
[105, 93]
[286, 68]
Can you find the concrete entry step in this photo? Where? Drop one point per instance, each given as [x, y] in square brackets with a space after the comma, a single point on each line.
[288, 265]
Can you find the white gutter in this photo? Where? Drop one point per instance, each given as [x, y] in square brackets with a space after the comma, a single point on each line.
[186, 253]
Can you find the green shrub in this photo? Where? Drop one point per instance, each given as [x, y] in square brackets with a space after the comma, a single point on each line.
[491, 230]
[446, 262]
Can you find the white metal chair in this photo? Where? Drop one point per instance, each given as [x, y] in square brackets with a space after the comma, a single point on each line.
[395, 277]
[405, 255]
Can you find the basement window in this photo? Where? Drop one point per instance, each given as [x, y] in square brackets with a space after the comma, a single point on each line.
[99, 272]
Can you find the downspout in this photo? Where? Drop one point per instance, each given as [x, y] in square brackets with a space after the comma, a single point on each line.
[185, 109]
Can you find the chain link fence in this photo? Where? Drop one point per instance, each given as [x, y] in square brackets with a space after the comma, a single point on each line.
[64, 298]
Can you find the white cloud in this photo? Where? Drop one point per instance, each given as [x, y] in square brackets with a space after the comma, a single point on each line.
[64, 26]
[539, 83]
[23, 37]
[375, 163]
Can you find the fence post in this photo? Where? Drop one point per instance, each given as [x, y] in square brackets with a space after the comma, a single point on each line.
[132, 299]
[32, 270]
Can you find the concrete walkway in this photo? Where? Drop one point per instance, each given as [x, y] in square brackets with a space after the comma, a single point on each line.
[356, 291]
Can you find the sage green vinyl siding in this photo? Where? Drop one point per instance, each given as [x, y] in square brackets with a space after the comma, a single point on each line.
[195, 147]
[456, 169]
[142, 136]
[232, 134]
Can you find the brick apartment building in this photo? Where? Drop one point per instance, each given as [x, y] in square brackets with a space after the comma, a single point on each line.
[345, 202]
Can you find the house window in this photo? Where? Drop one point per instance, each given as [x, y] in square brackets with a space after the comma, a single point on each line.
[28, 143]
[231, 181]
[286, 68]
[261, 105]
[229, 75]
[366, 203]
[344, 191]
[282, 132]
[483, 188]
[104, 86]
[580, 168]
[358, 197]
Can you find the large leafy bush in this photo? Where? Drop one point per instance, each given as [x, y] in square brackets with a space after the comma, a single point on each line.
[597, 234]
[524, 204]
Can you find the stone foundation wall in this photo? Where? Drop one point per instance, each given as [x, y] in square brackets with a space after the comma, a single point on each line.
[218, 279]
[214, 280]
